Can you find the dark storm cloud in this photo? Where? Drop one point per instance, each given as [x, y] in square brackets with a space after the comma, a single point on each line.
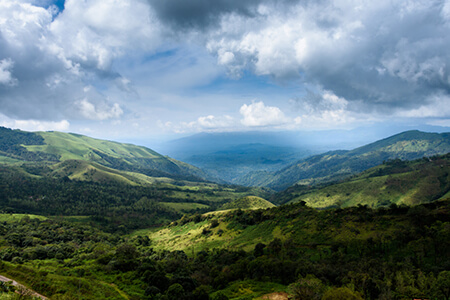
[204, 14]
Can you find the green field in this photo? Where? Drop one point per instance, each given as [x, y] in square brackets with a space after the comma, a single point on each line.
[18, 217]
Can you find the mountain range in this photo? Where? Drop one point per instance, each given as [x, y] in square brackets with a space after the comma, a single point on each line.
[253, 164]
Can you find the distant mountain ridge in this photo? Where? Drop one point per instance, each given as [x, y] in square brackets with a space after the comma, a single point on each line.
[52, 147]
[335, 165]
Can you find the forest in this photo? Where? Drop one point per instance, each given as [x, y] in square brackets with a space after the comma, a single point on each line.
[399, 253]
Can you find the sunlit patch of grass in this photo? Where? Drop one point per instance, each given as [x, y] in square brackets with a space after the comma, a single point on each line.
[18, 217]
[250, 289]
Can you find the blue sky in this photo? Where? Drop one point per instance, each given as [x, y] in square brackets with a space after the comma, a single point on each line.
[145, 70]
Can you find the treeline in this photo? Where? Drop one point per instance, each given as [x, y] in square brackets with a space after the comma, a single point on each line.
[106, 203]
[11, 141]
[64, 260]
[130, 206]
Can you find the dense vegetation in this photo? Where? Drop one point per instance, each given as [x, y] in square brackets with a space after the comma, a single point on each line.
[358, 253]
[109, 204]
[12, 141]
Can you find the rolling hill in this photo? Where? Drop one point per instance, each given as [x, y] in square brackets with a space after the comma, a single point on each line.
[52, 147]
[335, 165]
[394, 182]
[248, 202]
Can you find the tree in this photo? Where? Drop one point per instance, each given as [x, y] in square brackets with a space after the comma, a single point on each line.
[175, 292]
[259, 250]
[443, 284]
[219, 296]
[307, 288]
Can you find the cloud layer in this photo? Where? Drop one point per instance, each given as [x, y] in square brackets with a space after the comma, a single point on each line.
[347, 60]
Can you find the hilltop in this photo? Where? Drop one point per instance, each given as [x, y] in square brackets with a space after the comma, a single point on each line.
[248, 202]
[18, 146]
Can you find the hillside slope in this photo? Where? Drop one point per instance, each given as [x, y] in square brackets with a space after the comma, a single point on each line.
[336, 165]
[248, 202]
[394, 182]
[52, 147]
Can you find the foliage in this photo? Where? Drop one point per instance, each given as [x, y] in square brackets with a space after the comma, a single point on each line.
[109, 203]
[355, 252]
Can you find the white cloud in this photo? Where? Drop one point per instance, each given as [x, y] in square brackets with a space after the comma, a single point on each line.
[34, 125]
[93, 33]
[99, 112]
[212, 122]
[381, 54]
[324, 110]
[259, 115]
[207, 123]
[438, 106]
[5, 72]
[46, 58]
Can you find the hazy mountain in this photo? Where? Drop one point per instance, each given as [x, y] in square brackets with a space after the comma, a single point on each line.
[335, 165]
[249, 157]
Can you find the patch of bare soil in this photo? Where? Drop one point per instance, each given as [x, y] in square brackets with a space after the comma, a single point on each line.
[276, 296]
[21, 289]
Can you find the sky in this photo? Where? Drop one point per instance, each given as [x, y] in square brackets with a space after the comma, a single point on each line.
[145, 70]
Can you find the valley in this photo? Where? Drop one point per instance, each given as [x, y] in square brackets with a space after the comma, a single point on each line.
[83, 218]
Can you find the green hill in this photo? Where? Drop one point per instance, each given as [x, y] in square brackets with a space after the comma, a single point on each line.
[248, 202]
[394, 182]
[336, 165]
[18, 146]
[81, 170]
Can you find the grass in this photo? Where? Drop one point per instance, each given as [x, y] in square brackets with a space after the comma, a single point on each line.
[184, 206]
[419, 181]
[192, 237]
[250, 289]
[248, 202]
[49, 278]
[8, 160]
[18, 217]
[81, 147]
[306, 226]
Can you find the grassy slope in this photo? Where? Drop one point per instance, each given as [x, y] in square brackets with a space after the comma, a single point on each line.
[74, 146]
[308, 227]
[398, 182]
[409, 183]
[338, 164]
[249, 202]
[88, 171]
[16, 217]
[19, 146]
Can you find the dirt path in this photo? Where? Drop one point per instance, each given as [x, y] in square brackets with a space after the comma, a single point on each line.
[21, 289]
